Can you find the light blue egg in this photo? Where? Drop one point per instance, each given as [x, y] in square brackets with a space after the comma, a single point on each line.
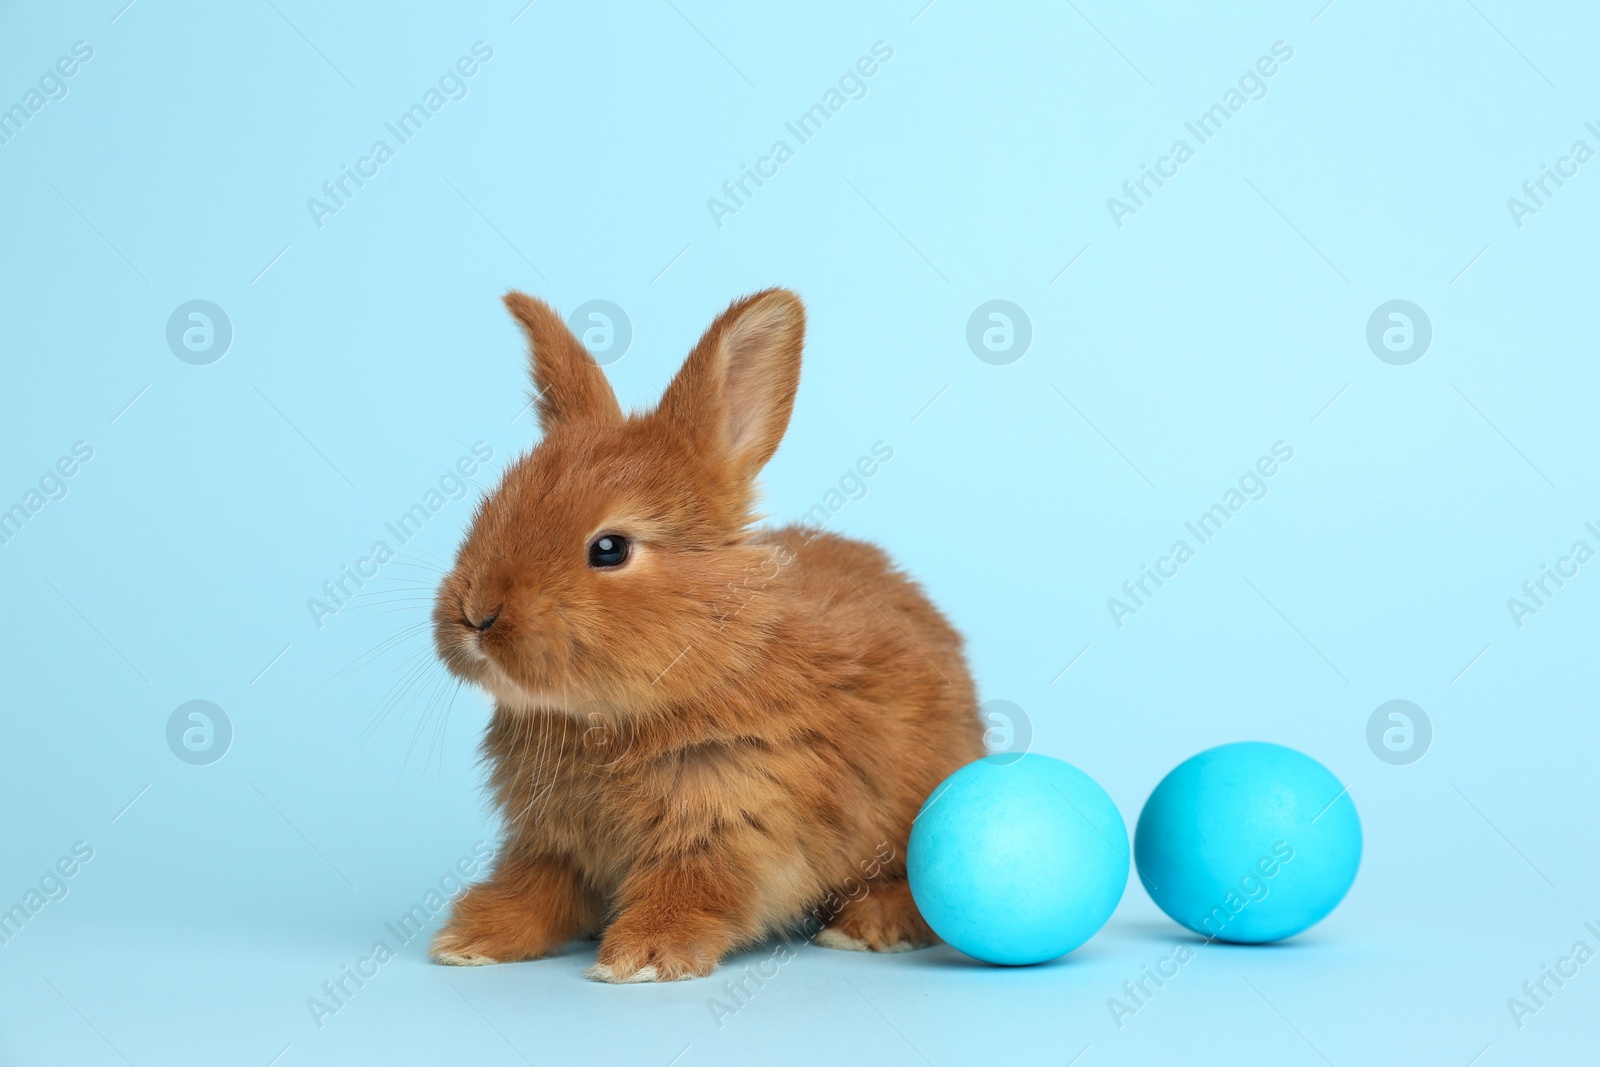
[1248, 842]
[1017, 860]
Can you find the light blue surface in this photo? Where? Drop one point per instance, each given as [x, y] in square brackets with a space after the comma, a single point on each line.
[1166, 359]
[1017, 860]
[1248, 842]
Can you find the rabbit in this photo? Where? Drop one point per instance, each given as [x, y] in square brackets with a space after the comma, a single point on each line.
[704, 734]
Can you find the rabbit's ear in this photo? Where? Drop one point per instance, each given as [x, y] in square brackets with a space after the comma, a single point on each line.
[736, 390]
[568, 385]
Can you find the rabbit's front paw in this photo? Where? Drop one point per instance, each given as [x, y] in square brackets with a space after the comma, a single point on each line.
[459, 947]
[484, 931]
[633, 952]
[527, 909]
[884, 920]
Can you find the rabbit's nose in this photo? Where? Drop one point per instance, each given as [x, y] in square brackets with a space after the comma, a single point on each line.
[483, 623]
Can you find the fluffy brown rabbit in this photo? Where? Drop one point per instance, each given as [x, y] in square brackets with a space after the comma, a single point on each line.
[703, 733]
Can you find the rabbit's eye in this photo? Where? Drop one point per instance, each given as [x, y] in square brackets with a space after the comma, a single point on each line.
[608, 550]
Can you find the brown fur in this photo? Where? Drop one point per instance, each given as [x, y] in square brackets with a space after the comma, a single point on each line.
[705, 744]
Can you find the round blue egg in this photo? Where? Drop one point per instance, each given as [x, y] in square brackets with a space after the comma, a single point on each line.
[1017, 860]
[1248, 842]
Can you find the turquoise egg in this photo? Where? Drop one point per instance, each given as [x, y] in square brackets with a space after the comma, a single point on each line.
[1017, 861]
[1248, 842]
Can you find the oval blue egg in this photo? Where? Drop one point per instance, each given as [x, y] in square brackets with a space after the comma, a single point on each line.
[1248, 842]
[1017, 861]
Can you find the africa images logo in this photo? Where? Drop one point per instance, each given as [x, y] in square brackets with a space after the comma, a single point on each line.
[451, 85]
[851, 85]
[1252, 85]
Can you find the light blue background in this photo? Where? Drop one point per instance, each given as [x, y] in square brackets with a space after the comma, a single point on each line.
[1228, 314]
